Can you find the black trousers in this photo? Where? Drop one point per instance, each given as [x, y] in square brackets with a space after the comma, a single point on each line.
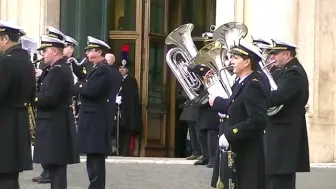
[9, 181]
[96, 169]
[58, 176]
[208, 140]
[124, 143]
[45, 172]
[195, 144]
[281, 181]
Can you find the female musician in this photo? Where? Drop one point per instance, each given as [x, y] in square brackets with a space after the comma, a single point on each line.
[244, 120]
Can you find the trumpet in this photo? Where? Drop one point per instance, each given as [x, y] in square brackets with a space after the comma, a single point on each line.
[37, 61]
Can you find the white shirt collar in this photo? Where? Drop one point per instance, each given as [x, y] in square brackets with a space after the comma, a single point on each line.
[244, 77]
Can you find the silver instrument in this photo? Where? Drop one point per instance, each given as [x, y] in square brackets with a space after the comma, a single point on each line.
[209, 35]
[219, 81]
[74, 60]
[180, 57]
[263, 65]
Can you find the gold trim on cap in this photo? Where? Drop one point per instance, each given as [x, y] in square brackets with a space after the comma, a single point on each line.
[46, 45]
[2, 29]
[279, 48]
[92, 46]
[240, 51]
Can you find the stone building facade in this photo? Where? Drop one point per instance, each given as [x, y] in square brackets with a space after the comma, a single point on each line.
[307, 23]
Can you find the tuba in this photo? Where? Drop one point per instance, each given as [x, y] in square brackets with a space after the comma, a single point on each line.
[219, 80]
[180, 57]
[263, 65]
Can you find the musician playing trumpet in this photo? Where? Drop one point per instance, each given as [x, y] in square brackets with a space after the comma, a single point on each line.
[287, 150]
[243, 119]
[55, 127]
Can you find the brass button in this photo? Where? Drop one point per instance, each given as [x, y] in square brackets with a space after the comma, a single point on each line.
[70, 106]
[25, 104]
[227, 116]
[107, 100]
[232, 100]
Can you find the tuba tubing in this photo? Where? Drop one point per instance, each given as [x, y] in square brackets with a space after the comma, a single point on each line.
[184, 77]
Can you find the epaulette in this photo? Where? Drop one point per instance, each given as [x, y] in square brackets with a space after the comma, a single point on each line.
[56, 66]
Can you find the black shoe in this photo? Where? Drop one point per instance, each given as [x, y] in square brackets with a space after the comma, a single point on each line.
[200, 157]
[202, 162]
[210, 165]
[44, 180]
[36, 179]
[192, 157]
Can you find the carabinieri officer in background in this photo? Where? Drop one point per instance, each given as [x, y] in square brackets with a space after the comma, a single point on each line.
[55, 146]
[245, 120]
[95, 119]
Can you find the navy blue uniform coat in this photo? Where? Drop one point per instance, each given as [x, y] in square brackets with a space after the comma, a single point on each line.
[286, 134]
[55, 136]
[95, 119]
[17, 88]
[244, 127]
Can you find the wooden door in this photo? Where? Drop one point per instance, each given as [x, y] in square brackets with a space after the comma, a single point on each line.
[125, 28]
[155, 88]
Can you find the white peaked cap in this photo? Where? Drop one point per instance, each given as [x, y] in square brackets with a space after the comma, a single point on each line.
[71, 40]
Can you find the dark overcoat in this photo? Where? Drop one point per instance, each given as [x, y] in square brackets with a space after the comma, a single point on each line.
[95, 120]
[244, 126]
[286, 137]
[130, 105]
[190, 110]
[17, 90]
[117, 79]
[55, 139]
[207, 117]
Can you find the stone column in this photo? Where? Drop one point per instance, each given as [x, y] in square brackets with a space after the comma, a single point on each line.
[32, 16]
[322, 116]
[272, 18]
[229, 11]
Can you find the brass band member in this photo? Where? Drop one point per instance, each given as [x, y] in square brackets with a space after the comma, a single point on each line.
[94, 124]
[245, 119]
[55, 127]
[42, 72]
[71, 44]
[286, 136]
[265, 46]
[17, 91]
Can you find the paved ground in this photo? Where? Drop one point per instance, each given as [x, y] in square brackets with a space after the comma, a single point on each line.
[165, 175]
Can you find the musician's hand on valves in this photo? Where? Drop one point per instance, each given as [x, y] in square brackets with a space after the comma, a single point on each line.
[118, 100]
[211, 99]
[75, 78]
[38, 72]
[223, 142]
